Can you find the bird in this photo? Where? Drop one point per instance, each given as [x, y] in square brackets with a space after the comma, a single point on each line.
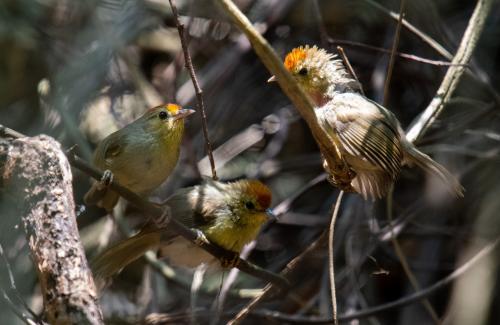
[140, 156]
[228, 214]
[367, 136]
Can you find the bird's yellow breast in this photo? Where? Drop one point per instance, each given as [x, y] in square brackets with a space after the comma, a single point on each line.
[232, 235]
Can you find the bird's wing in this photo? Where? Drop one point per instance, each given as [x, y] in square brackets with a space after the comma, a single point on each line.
[367, 130]
[108, 149]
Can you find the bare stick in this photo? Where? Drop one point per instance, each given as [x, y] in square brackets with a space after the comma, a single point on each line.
[402, 55]
[345, 59]
[13, 287]
[404, 262]
[196, 85]
[39, 178]
[330, 257]
[393, 53]
[323, 33]
[28, 319]
[397, 248]
[454, 73]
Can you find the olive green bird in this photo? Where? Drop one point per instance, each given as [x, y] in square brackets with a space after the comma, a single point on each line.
[229, 215]
[368, 137]
[141, 155]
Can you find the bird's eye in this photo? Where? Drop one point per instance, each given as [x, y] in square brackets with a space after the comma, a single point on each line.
[303, 71]
[249, 205]
[163, 115]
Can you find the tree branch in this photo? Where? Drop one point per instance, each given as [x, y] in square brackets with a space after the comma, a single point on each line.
[37, 174]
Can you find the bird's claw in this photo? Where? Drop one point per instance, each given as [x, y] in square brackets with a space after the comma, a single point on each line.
[163, 220]
[200, 237]
[231, 260]
[106, 179]
[340, 176]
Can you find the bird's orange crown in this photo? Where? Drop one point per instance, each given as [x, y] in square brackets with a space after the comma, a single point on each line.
[171, 108]
[295, 56]
[260, 191]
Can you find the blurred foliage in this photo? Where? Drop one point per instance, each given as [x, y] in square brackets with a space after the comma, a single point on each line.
[78, 70]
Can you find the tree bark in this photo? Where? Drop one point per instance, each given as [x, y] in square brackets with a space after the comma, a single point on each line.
[36, 172]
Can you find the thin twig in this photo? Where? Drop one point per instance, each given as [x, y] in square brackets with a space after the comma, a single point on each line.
[404, 262]
[13, 287]
[347, 63]
[199, 93]
[402, 55]
[395, 242]
[393, 53]
[331, 268]
[325, 40]
[14, 307]
[323, 33]
[454, 73]
[435, 45]
[154, 211]
[417, 296]
[424, 37]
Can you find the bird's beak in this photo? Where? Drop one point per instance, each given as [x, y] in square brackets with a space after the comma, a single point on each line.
[272, 79]
[270, 214]
[183, 113]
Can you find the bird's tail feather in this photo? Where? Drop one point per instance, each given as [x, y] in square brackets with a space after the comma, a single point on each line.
[432, 167]
[115, 258]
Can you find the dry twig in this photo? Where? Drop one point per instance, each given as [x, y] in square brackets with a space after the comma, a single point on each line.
[393, 53]
[330, 256]
[199, 93]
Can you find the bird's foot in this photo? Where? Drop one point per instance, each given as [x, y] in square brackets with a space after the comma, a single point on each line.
[163, 220]
[106, 180]
[200, 237]
[344, 185]
[230, 260]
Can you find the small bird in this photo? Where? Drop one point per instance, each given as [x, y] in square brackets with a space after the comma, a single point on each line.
[229, 215]
[141, 155]
[368, 137]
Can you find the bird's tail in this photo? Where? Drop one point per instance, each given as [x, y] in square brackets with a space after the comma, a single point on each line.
[430, 166]
[115, 258]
